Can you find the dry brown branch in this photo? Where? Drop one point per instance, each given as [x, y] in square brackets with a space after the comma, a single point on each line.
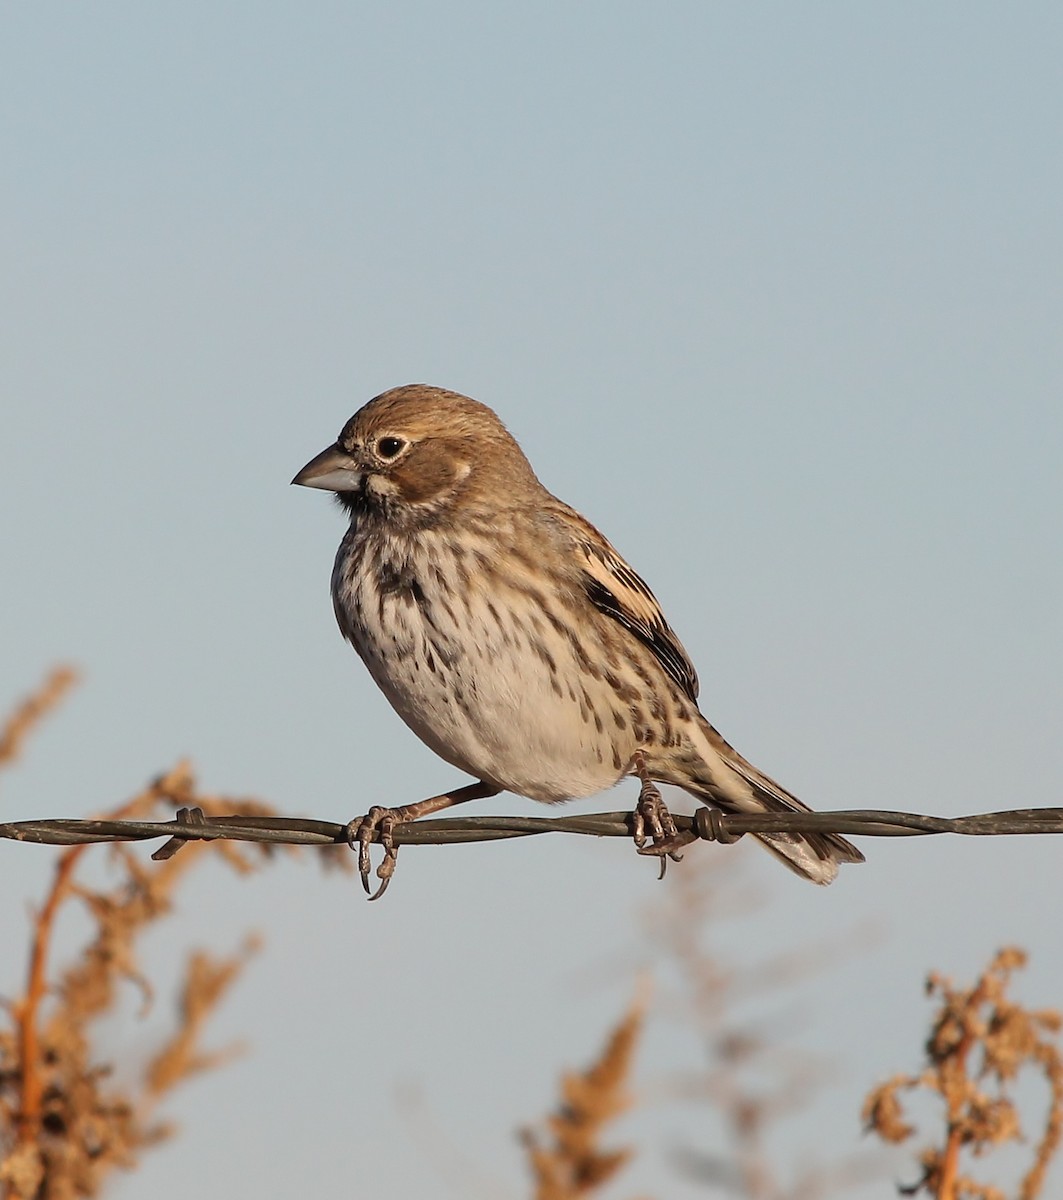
[979, 1043]
[207, 979]
[26, 715]
[571, 1163]
[66, 1122]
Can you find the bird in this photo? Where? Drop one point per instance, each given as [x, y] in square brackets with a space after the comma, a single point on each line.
[514, 640]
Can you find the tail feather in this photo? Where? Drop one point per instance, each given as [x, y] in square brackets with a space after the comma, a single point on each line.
[813, 856]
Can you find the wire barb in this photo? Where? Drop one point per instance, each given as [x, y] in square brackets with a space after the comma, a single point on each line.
[709, 825]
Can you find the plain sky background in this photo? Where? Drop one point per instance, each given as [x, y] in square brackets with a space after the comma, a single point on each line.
[771, 292]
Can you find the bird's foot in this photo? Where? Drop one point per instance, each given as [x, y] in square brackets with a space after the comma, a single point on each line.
[378, 825]
[652, 816]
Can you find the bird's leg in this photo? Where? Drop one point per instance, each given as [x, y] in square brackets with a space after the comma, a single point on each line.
[378, 824]
[651, 813]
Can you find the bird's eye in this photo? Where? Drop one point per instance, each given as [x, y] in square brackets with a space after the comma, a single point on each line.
[390, 447]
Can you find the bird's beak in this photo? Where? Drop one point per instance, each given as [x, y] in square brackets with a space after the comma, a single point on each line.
[333, 470]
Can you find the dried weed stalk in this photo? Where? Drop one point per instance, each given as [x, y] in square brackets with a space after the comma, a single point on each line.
[571, 1163]
[752, 1078]
[979, 1043]
[66, 1122]
[31, 711]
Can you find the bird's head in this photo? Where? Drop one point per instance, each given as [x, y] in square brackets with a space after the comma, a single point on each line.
[417, 450]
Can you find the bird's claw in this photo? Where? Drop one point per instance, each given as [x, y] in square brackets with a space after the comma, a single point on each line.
[378, 825]
[652, 815]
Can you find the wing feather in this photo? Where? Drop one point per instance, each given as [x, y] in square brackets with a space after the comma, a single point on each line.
[619, 592]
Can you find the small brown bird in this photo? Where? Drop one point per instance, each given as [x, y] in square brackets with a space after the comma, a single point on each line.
[512, 638]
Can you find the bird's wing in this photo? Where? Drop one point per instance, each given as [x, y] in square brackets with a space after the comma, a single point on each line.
[613, 587]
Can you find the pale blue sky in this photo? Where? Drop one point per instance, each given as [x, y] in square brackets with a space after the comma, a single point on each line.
[771, 292]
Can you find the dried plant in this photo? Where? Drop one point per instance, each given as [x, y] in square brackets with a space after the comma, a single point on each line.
[979, 1043]
[752, 1077]
[570, 1162]
[66, 1122]
[31, 711]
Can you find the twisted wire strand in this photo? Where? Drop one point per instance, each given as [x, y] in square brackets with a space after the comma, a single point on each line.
[192, 824]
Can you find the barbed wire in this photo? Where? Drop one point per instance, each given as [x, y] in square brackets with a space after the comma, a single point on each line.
[706, 824]
[192, 824]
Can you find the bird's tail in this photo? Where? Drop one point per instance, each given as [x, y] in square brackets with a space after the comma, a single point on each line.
[732, 784]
